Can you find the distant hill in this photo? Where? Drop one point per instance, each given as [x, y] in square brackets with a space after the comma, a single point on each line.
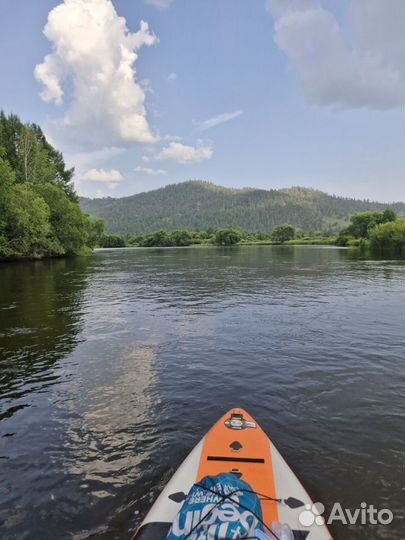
[197, 205]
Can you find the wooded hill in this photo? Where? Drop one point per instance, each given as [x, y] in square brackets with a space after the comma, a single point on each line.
[197, 205]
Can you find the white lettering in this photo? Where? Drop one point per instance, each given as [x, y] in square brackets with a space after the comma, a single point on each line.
[352, 517]
[337, 514]
[388, 519]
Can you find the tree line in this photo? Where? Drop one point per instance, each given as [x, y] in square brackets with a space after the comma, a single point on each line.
[381, 232]
[197, 205]
[40, 214]
[219, 237]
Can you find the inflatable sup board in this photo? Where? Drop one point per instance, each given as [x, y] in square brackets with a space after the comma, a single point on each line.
[237, 444]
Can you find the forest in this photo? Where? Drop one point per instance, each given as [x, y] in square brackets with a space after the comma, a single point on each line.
[39, 211]
[198, 206]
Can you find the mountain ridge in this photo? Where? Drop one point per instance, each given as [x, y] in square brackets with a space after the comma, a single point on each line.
[197, 205]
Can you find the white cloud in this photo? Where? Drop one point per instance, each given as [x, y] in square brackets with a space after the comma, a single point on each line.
[362, 65]
[185, 154]
[84, 160]
[218, 119]
[160, 4]
[172, 138]
[151, 171]
[147, 86]
[91, 67]
[172, 76]
[110, 177]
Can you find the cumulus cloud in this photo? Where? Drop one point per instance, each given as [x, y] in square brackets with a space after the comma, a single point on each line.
[150, 171]
[218, 119]
[110, 177]
[92, 68]
[172, 76]
[160, 4]
[361, 65]
[184, 154]
[83, 160]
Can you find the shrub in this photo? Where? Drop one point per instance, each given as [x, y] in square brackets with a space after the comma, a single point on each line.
[227, 237]
[283, 233]
[389, 237]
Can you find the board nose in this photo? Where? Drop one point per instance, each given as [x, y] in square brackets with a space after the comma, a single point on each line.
[237, 417]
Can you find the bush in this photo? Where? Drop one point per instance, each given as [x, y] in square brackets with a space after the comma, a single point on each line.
[111, 241]
[157, 239]
[181, 238]
[363, 223]
[283, 233]
[227, 237]
[389, 237]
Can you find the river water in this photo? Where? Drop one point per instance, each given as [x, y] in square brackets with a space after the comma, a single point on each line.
[113, 366]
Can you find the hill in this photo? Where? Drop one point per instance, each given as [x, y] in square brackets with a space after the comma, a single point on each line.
[197, 205]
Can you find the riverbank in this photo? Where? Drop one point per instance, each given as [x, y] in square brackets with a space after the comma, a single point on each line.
[315, 241]
[382, 232]
[247, 243]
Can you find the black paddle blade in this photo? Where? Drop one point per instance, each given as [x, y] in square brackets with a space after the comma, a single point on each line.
[178, 497]
[293, 503]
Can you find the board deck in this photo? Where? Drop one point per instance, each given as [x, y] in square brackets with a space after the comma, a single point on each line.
[243, 451]
[237, 444]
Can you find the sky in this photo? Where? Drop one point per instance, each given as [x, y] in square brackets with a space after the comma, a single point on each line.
[139, 94]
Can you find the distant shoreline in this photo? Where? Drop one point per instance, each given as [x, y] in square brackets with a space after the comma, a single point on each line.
[245, 244]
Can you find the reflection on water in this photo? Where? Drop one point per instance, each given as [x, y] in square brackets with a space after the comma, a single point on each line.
[40, 318]
[111, 415]
[112, 367]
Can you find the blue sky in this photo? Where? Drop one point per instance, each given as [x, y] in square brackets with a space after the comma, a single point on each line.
[261, 93]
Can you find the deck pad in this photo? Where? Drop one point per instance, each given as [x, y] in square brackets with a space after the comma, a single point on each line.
[237, 444]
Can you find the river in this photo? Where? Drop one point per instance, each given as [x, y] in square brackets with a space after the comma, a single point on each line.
[113, 366]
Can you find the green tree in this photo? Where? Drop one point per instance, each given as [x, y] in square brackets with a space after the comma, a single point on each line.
[96, 232]
[262, 236]
[227, 237]
[361, 224]
[10, 127]
[389, 237]
[7, 179]
[112, 241]
[180, 238]
[31, 156]
[70, 225]
[389, 215]
[34, 160]
[62, 175]
[157, 239]
[28, 229]
[283, 233]
[39, 210]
